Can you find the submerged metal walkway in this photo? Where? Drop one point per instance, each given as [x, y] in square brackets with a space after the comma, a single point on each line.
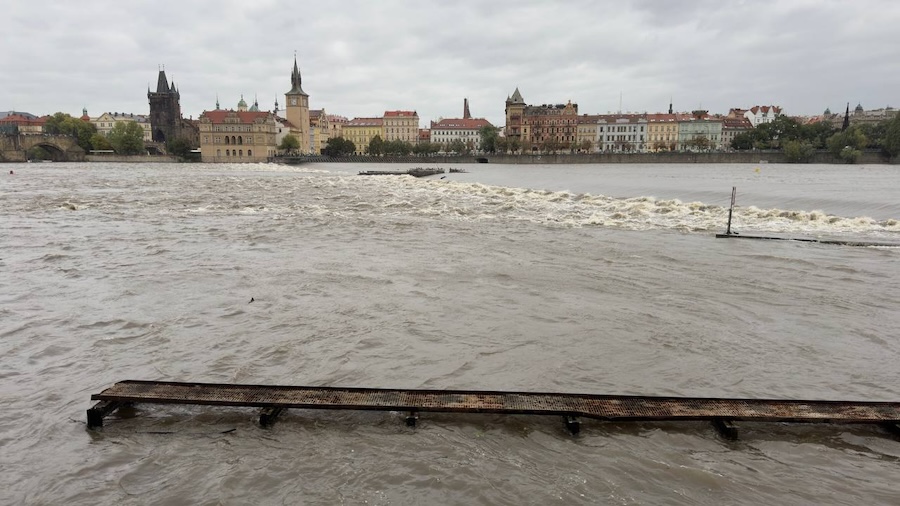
[274, 399]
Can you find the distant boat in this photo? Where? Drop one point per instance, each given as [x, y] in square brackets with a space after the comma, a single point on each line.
[417, 172]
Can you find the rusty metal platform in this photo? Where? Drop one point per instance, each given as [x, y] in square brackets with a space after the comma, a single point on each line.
[601, 407]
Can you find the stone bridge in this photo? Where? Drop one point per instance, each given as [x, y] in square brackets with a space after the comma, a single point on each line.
[14, 148]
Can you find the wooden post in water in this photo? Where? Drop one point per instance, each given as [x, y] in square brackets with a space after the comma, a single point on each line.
[730, 210]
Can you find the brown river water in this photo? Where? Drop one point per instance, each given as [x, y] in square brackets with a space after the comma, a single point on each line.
[582, 279]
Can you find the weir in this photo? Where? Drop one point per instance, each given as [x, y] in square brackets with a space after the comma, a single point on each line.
[274, 400]
[838, 242]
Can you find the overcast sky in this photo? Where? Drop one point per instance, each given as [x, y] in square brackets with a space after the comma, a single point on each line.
[360, 58]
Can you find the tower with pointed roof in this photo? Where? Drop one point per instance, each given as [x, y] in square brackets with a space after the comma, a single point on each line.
[297, 109]
[165, 110]
[515, 110]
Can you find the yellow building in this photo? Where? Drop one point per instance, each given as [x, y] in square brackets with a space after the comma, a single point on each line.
[297, 112]
[237, 136]
[360, 131]
[662, 132]
[586, 136]
[320, 129]
[401, 125]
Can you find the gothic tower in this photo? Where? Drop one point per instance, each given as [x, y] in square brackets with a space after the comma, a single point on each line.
[165, 110]
[297, 109]
[515, 111]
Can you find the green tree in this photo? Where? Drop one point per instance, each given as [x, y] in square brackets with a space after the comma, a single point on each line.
[289, 144]
[456, 146]
[338, 146]
[798, 151]
[847, 145]
[179, 147]
[890, 144]
[817, 133]
[127, 138]
[376, 146]
[586, 146]
[488, 136]
[64, 124]
[99, 142]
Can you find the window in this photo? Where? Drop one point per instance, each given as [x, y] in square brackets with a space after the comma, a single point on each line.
[249, 152]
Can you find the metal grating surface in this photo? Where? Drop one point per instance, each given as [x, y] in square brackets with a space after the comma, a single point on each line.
[605, 407]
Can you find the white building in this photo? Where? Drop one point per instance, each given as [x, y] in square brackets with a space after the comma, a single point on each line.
[622, 133]
[466, 130]
[107, 120]
[760, 114]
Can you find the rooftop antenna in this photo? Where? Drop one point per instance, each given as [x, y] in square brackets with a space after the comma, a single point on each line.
[620, 102]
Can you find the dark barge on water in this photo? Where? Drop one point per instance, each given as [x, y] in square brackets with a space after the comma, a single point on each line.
[417, 172]
[273, 400]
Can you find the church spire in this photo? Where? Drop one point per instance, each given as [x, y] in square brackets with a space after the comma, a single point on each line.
[466, 114]
[296, 80]
[846, 118]
[162, 84]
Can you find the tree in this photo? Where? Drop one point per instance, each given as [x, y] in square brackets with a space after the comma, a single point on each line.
[798, 151]
[890, 144]
[127, 138]
[847, 145]
[698, 143]
[338, 146]
[100, 143]
[64, 124]
[550, 145]
[586, 146]
[179, 147]
[514, 145]
[289, 144]
[456, 146]
[488, 135]
[376, 146]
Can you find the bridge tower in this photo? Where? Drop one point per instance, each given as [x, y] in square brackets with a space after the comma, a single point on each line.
[165, 110]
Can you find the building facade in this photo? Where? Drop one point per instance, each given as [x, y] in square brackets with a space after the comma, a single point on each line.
[106, 121]
[237, 136]
[401, 126]
[732, 127]
[622, 133]
[662, 132]
[515, 131]
[466, 130]
[320, 130]
[760, 114]
[554, 125]
[23, 124]
[699, 132]
[361, 131]
[586, 136]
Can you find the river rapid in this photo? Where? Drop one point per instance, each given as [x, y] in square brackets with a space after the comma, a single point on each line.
[603, 279]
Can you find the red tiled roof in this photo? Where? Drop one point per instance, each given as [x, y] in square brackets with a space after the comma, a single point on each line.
[18, 119]
[662, 118]
[460, 123]
[736, 123]
[244, 116]
[365, 122]
[389, 114]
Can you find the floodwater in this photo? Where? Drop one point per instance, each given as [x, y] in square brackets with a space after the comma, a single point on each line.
[601, 279]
